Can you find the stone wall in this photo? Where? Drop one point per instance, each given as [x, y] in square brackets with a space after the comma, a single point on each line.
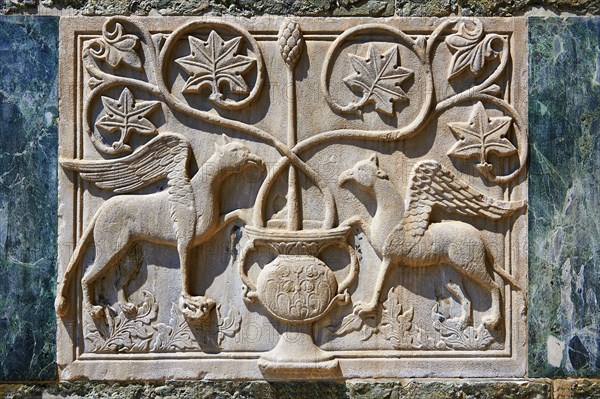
[564, 126]
[375, 8]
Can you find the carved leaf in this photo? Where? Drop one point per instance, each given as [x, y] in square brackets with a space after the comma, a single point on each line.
[350, 323]
[175, 336]
[481, 135]
[395, 324]
[379, 77]
[122, 333]
[470, 49]
[117, 48]
[453, 336]
[126, 115]
[230, 325]
[213, 63]
[469, 339]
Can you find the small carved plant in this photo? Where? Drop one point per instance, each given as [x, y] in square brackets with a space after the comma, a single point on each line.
[454, 337]
[122, 333]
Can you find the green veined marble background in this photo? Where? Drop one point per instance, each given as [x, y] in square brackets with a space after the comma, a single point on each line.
[28, 152]
[564, 117]
[564, 197]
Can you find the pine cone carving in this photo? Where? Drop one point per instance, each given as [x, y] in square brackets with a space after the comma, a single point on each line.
[290, 42]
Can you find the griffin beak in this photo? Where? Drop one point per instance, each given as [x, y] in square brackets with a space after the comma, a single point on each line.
[345, 177]
[256, 160]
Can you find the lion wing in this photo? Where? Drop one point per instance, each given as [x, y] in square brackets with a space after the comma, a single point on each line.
[165, 156]
[431, 184]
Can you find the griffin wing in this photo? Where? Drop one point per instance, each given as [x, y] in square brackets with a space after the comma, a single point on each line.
[431, 184]
[164, 156]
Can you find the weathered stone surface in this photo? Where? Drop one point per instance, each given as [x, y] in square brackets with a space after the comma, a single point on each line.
[413, 8]
[28, 141]
[375, 8]
[450, 390]
[517, 7]
[282, 390]
[232, 193]
[576, 389]
[426, 8]
[564, 99]
[16, 6]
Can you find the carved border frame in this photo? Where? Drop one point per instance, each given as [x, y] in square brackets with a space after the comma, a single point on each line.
[243, 365]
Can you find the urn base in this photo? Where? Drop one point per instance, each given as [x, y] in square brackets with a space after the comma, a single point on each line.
[297, 354]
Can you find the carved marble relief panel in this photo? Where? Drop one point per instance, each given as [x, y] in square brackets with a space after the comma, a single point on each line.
[275, 198]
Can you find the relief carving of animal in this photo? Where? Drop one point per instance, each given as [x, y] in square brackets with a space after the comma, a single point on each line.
[402, 233]
[185, 215]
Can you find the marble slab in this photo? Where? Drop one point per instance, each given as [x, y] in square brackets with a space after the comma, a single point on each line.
[28, 196]
[564, 192]
[273, 199]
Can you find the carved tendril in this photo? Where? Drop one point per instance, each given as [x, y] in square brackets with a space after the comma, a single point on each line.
[474, 47]
[157, 70]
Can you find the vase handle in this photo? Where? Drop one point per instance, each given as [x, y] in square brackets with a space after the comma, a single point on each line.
[353, 274]
[249, 292]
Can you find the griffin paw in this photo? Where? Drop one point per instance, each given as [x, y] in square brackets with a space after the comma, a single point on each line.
[490, 322]
[130, 309]
[364, 308]
[195, 309]
[96, 311]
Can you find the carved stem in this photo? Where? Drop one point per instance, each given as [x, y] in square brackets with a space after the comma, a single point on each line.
[294, 194]
[422, 119]
[291, 43]
[176, 104]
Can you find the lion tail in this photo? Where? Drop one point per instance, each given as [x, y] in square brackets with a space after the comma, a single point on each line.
[76, 259]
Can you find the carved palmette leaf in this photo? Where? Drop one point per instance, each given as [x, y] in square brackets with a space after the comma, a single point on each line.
[379, 78]
[471, 49]
[295, 248]
[396, 324]
[481, 135]
[469, 339]
[454, 337]
[213, 63]
[94, 337]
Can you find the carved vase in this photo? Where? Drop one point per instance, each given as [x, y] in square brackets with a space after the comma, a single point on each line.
[297, 288]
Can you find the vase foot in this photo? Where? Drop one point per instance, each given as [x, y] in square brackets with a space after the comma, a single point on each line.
[297, 356]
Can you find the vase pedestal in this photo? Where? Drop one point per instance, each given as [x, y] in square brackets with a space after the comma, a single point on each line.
[297, 354]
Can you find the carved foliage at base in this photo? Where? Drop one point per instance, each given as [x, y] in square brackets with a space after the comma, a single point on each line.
[139, 332]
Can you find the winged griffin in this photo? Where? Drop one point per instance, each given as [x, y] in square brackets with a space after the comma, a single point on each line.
[415, 241]
[184, 215]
